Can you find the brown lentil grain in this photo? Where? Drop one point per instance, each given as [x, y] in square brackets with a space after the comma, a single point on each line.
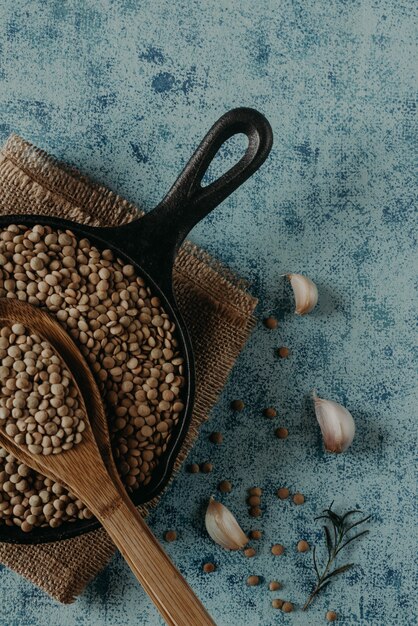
[255, 491]
[270, 412]
[249, 552]
[237, 405]
[303, 546]
[277, 603]
[253, 581]
[274, 586]
[283, 352]
[282, 433]
[277, 549]
[255, 534]
[254, 500]
[209, 567]
[298, 498]
[255, 511]
[331, 616]
[287, 607]
[270, 322]
[225, 486]
[216, 437]
[283, 493]
[170, 535]
[206, 468]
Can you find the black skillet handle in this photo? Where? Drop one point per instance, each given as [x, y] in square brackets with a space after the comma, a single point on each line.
[159, 234]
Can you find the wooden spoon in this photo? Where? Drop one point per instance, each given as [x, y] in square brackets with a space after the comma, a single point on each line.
[88, 470]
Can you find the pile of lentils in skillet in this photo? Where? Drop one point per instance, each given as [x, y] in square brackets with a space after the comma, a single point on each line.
[129, 343]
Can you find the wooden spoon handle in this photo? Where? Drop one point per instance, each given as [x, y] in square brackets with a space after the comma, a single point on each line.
[157, 574]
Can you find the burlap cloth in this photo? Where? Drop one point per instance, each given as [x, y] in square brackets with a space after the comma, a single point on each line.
[215, 305]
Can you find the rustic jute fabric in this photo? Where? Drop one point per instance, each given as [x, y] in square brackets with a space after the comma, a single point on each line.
[215, 304]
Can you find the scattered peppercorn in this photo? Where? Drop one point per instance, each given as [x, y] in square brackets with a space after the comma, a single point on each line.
[274, 586]
[255, 511]
[277, 603]
[209, 567]
[283, 493]
[193, 468]
[170, 535]
[277, 549]
[216, 437]
[254, 500]
[303, 546]
[331, 616]
[237, 405]
[253, 581]
[225, 486]
[298, 498]
[270, 412]
[282, 433]
[283, 352]
[270, 322]
[255, 534]
[206, 468]
[287, 607]
[249, 552]
[255, 491]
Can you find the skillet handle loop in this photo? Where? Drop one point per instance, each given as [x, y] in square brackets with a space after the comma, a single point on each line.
[190, 201]
[154, 239]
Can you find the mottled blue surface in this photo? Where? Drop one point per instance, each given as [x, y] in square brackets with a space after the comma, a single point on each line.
[125, 90]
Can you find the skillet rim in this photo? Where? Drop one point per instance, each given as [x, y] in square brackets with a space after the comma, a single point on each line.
[164, 470]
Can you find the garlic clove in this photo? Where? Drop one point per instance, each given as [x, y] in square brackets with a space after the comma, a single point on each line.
[336, 423]
[223, 528]
[305, 292]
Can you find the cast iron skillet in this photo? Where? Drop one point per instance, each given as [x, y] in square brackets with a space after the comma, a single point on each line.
[151, 244]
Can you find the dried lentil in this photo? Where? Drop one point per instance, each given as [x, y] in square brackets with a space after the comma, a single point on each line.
[209, 568]
[274, 586]
[253, 581]
[277, 549]
[38, 395]
[270, 322]
[255, 534]
[270, 412]
[287, 607]
[282, 433]
[331, 616]
[298, 498]
[283, 352]
[283, 493]
[216, 438]
[237, 405]
[225, 486]
[303, 546]
[123, 332]
[249, 552]
[277, 603]
[170, 535]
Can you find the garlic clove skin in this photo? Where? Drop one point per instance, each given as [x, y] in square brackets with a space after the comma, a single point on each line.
[223, 528]
[305, 292]
[336, 423]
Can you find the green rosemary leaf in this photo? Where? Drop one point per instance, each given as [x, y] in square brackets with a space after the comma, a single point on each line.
[315, 563]
[351, 513]
[339, 570]
[335, 519]
[328, 540]
[365, 532]
[366, 519]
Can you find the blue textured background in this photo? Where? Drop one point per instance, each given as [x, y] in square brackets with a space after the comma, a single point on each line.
[125, 90]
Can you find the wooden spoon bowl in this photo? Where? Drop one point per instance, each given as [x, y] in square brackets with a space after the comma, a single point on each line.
[88, 470]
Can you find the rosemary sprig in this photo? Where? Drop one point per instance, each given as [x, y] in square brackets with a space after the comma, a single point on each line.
[336, 540]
